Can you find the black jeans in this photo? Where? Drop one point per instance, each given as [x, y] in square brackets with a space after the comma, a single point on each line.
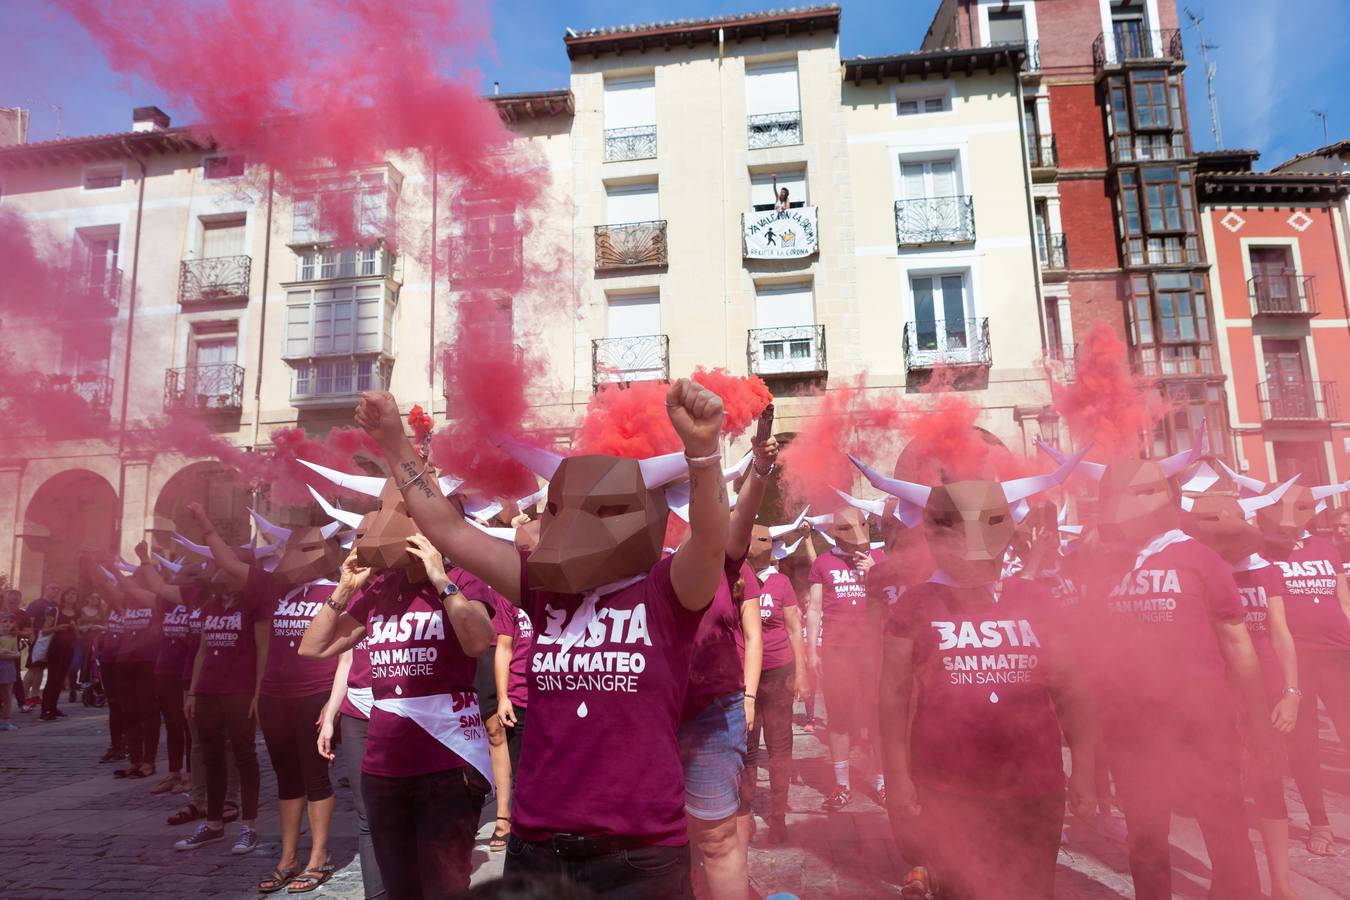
[423, 828]
[169, 698]
[514, 735]
[222, 719]
[640, 873]
[107, 674]
[353, 731]
[289, 731]
[140, 711]
[1323, 674]
[58, 666]
[773, 719]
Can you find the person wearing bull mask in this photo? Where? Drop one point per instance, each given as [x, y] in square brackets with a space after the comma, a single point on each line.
[1219, 519]
[600, 796]
[1317, 608]
[286, 589]
[976, 777]
[1174, 667]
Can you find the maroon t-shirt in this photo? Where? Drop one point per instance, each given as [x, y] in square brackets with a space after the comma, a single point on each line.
[1257, 586]
[844, 620]
[289, 674]
[516, 623]
[775, 595]
[140, 634]
[414, 652]
[175, 640]
[1153, 629]
[606, 681]
[358, 676]
[1311, 606]
[194, 638]
[110, 644]
[231, 661]
[715, 667]
[984, 722]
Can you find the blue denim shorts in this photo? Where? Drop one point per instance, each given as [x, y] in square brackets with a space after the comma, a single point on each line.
[712, 748]
[9, 672]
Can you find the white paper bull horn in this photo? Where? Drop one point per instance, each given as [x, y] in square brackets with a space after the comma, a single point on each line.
[502, 534]
[777, 531]
[659, 471]
[538, 460]
[1322, 492]
[330, 529]
[173, 567]
[1174, 464]
[450, 484]
[1022, 488]
[1204, 478]
[350, 519]
[824, 520]
[112, 579]
[1251, 504]
[125, 567]
[1187, 503]
[1245, 482]
[199, 549]
[274, 532]
[529, 500]
[268, 551]
[741, 467]
[783, 551]
[1093, 470]
[913, 497]
[362, 484]
[479, 507]
[871, 507]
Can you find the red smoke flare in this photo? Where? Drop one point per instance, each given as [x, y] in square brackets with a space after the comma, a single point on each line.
[1105, 402]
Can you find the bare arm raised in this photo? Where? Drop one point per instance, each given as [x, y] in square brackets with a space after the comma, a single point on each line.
[497, 563]
[696, 413]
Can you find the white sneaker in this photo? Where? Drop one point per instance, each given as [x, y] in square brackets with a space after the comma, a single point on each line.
[247, 843]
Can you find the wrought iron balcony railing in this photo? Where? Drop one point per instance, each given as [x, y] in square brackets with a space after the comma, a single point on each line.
[216, 387]
[95, 391]
[1043, 150]
[934, 220]
[1144, 45]
[631, 246]
[1285, 294]
[787, 350]
[1128, 148]
[1053, 251]
[214, 279]
[1178, 361]
[637, 142]
[780, 129]
[1033, 60]
[620, 360]
[1062, 362]
[338, 380]
[963, 342]
[1298, 401]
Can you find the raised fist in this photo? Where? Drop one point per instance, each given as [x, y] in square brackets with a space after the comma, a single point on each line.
[378, 414]
[198, 513]
[696, 413]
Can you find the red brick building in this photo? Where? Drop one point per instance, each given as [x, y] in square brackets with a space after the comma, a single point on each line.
[1113, 184]
[1276, 242]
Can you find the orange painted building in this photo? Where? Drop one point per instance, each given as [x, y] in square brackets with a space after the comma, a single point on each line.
[1276, 243]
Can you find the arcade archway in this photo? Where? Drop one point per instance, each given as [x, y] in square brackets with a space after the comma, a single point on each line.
[72, 513]
[215, 487]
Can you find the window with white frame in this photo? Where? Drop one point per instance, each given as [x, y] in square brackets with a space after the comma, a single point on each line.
[361, 262]
[913, 106]
[222, 237]
[943, 314]
[928, 179]
[773, 104]
[491, 244]
[762, 197]
[630, 118]
[633, 349]
[341, 207]
[102, 178]
[785, 336]
[631, 203]
[344, 319]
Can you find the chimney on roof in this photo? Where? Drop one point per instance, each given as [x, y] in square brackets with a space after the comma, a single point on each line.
[149, 118]
[13, 126]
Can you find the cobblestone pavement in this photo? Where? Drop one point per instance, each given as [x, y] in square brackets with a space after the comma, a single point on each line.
[72, 831]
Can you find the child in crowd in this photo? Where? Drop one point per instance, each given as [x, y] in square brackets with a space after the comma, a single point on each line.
[9, 669]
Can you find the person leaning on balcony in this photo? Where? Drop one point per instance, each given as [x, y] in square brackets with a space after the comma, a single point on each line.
[780, 198]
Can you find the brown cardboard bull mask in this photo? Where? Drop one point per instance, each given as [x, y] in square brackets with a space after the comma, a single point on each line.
[380, 538]
[311, 553]
[605, 519]
[1288, 518]
[968, 524]
[1221, 520]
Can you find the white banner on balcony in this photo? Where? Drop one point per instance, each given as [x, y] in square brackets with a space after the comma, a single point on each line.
[786, 235]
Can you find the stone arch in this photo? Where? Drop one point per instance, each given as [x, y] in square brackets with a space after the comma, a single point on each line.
[71, 513]
[214, 486]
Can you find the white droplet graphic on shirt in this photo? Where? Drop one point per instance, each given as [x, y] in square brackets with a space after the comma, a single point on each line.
[582, 711]
[1317, 599]
[993, 697]
[215, 652]
[398, 689]
[292, 644]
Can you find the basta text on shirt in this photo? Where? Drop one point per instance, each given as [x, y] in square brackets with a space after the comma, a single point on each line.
[1255, 605]
[420, 626]
[1309, 576]
[221, 630]
[1137, 595]
[1008, 635]
[564, 662]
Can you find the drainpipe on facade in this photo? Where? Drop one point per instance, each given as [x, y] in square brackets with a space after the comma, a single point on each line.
[262, 315]
[1031, 207]
[126, 364]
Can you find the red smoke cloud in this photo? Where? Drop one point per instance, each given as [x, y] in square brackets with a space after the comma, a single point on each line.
[944, 444]
[1105, 402]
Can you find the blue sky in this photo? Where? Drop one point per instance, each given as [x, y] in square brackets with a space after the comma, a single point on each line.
[1277, 59]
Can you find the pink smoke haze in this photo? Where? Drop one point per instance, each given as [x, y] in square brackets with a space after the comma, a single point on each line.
[1105, 402]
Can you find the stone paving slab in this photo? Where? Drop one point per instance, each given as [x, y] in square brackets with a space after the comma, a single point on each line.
[72, 831]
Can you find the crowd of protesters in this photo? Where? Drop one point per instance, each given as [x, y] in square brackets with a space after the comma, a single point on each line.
[613, 705]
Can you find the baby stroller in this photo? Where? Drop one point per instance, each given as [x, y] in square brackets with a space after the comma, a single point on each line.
[92, 694]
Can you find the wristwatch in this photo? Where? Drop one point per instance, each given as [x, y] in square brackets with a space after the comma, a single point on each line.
[1297, 692]
[449, 591]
